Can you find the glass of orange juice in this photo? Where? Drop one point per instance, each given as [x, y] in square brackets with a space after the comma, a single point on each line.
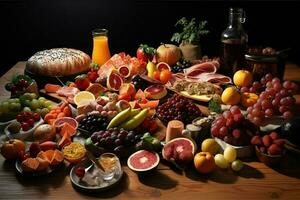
[101, 51]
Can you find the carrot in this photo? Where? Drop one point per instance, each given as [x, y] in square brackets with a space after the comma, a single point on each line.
[51, 88]
[60, 115]
[67, 111]
[51, 121]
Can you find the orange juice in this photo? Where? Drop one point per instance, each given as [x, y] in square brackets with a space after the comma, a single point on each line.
[101, 51]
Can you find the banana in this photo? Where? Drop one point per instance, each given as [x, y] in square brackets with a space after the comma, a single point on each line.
[135, 121]
[119, 118]
[135, 111]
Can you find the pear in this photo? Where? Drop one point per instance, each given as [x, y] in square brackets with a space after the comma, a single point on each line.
[151, 67]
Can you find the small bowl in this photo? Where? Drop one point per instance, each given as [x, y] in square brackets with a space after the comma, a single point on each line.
[269, 160]
[22, 135]
[242, 151]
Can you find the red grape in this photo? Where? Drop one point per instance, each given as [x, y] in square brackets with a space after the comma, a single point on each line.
[227, 114]
[223, 131]
[235, 110]
[268, 77]
[269, 112]
[256, 85]
[236, 133]
[287, 84]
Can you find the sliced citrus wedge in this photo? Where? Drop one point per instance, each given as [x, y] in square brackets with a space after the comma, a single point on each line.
[83, 97]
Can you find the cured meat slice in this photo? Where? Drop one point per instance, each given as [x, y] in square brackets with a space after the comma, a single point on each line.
[210, 77]
[209, 67]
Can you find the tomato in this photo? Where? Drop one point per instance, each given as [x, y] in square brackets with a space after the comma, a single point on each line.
[165, 76]
[125, 96]
[145, 53]
[82, 82]
[156, 75]
[80, 171]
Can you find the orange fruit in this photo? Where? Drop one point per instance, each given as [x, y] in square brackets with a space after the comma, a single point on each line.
[231, 96]
[165, 76]
[248, 99]
[74, 152]
[242, 78]
[83, 97]
[204, 162]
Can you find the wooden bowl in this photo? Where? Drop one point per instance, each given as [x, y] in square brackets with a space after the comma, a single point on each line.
[269, 160]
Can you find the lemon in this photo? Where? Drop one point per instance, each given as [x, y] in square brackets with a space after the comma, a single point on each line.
[231, 96]
[242, 78]
[83, 97]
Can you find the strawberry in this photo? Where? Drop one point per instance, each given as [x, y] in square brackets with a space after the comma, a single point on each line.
[82, 82]
[92, 75]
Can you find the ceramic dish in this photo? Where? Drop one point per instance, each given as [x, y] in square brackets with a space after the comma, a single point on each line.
[22, 135]
[49, 170]
[269, 160]
[81, 185]
[242, 151]
[3, 125]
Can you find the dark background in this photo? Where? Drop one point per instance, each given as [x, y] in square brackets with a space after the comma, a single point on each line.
[33, 25]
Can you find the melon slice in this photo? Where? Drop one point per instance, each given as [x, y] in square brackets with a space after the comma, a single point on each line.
[114, 81]
[155, 91]
[143, 160]
[180, 150]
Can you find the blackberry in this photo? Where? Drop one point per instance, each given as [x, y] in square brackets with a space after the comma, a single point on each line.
[139, 83]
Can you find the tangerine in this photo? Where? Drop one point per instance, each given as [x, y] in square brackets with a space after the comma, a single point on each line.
[231, 96]
[242, 78]
[165, 76]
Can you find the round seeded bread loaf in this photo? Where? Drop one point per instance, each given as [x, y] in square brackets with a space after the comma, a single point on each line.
[58, 62]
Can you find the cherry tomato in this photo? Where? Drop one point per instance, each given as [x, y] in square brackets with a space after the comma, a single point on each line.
[156, 75]
[165, 76]
[80, 171]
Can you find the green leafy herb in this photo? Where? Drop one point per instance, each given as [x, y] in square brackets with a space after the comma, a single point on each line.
[191, 31]
[148, 50]
[214, 105]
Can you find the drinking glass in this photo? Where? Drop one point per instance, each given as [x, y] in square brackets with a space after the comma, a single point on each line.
[111, 165]
[101, 52]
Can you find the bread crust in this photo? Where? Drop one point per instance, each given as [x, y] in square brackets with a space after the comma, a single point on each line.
[58, 62]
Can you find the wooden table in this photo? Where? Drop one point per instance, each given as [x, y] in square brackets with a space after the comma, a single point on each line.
[255, 181]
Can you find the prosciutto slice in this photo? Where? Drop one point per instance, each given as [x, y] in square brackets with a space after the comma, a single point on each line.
[205, 71]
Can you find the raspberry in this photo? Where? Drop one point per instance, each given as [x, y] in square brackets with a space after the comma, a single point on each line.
[267, 140]
[279, 142]
[274, 135]
[256, 140]
[274, 149]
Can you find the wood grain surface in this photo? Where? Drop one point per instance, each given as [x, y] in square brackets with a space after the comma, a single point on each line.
[255, 181]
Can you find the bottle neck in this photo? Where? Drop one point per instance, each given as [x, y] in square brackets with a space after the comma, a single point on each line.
[236, 18]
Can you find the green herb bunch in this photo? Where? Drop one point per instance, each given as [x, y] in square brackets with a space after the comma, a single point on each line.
[191, 31]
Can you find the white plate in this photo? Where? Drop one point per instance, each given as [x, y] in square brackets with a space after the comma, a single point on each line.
[22, 135]
[78, 184]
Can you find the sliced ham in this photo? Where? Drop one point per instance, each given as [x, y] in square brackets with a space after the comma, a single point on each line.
[205, 71]
[68, 92]
[210, 77]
